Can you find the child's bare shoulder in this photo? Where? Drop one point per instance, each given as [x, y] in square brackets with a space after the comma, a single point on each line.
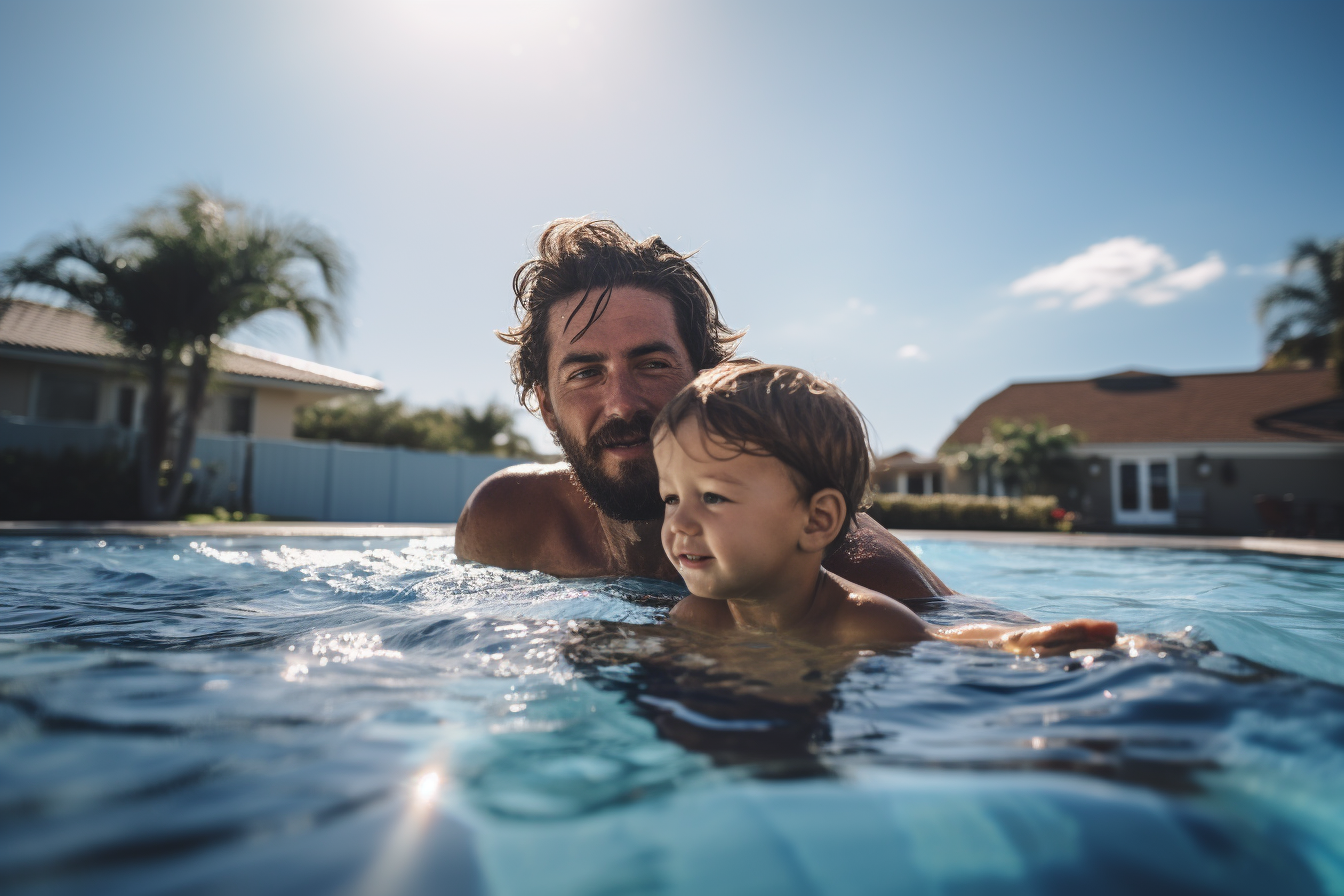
[866, 617]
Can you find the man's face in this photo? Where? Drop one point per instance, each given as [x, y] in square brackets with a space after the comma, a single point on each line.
[604, 390]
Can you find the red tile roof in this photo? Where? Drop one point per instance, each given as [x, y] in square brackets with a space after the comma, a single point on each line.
[1136, 406]
[35, 325]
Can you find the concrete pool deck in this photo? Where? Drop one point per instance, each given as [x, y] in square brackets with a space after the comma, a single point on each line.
[1301, 547]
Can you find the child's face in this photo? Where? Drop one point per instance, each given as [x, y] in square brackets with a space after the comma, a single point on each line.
[733, 523]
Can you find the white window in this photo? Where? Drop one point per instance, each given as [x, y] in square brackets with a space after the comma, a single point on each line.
[1144, 491]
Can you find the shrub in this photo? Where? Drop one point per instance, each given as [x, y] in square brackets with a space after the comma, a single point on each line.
[71, 485]
[367, 421]
[1034, 513]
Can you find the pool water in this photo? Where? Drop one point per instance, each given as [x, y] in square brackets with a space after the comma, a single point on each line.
[374, 716]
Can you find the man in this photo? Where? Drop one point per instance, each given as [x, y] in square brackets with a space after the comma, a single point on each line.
[609, 330]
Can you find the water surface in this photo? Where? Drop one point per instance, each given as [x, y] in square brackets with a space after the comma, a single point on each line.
[343, 715]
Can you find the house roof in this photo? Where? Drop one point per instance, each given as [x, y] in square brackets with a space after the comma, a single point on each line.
[905, 460]
[1140, 406]
[34, 325]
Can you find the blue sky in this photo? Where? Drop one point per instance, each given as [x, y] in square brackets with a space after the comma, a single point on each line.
[924, 201]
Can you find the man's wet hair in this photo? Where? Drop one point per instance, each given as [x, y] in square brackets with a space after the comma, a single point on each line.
[771, 410]
[590, 258]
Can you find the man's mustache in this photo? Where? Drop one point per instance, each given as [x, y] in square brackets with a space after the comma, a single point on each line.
[619, 431]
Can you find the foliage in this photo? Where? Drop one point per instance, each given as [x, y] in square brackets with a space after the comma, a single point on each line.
[1033, 513]
[363, 420]
[1308, 321]
[1027, 458]
[72, 485]
[172, 282]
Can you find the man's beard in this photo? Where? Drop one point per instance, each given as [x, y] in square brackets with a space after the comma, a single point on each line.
[632, 494]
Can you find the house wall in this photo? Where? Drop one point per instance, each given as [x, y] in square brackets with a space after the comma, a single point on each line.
[1226, 494]
[1228, 491]
[215, 414]
[1093, 503]
[273, 412]
[1231, 506]
[16, 386]
[272, 408]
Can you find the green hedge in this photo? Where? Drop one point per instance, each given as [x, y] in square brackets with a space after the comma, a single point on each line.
[1032, 513]
[68, 486]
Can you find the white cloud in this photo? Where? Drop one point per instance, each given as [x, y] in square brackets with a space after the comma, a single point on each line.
[1168, 288]
[1126, 266]
[912, 353]
[859, 308]
[1273, 269]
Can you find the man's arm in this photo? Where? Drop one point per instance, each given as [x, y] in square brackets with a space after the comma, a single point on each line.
[873, 558]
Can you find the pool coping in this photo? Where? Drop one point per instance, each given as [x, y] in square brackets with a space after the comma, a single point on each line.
[1301, 547]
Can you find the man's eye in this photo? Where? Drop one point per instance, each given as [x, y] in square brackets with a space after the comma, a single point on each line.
[670, 499]
[711, 498]
[585, 373]
[656, 365]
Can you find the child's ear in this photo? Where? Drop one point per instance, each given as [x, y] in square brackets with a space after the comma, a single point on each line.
[825, 517]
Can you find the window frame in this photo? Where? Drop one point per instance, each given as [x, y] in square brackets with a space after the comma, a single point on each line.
[1145, 515]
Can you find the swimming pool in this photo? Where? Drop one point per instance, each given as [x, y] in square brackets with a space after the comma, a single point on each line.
[311, 715]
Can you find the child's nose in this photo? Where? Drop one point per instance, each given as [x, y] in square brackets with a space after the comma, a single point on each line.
[682, 520]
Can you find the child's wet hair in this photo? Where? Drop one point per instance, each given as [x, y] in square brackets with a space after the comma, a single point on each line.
[771, 410]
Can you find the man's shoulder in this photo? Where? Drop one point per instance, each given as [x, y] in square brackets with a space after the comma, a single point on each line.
[866, 616]
[872, 557]
[508, 518]
[524, 481]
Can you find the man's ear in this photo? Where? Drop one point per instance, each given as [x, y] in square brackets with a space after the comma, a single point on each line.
[825, 518]
[547, 412]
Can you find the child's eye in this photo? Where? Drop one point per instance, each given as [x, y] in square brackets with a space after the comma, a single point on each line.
[711, 498]
[670, 499]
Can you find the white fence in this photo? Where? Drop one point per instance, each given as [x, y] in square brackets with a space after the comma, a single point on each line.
[327, 481]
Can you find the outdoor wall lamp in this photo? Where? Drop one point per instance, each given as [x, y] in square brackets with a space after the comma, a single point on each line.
[1095, 469]
[1203, 467]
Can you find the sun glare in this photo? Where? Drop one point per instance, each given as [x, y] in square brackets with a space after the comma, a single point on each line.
[427, 787]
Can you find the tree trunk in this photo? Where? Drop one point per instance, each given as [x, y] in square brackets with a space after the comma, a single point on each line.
[1337, 351]
[154, 447]
[198, 376]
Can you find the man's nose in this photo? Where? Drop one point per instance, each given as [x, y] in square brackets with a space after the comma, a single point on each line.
[623, 396]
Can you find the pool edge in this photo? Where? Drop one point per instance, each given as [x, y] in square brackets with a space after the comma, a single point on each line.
[1300, 547]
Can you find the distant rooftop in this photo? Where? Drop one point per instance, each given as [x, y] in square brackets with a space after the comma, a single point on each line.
[1140, 406]
[34, 325]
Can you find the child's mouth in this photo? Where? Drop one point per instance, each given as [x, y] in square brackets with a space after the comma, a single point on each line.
[694, 561]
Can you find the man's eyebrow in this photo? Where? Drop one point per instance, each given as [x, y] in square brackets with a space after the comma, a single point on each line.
[646, 348]
[582, 358]
[649, 348]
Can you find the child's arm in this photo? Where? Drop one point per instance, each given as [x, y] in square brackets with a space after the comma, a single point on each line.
[1041, 639]
[872, 619]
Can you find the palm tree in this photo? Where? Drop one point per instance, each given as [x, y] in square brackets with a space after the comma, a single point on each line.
[1026, 458]
[173, 282]
[1308, 320]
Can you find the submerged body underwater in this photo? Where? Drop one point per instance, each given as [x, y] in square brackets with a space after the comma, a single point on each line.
[344, 715]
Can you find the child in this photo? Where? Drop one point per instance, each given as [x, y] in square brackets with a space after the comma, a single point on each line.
[762, 469]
